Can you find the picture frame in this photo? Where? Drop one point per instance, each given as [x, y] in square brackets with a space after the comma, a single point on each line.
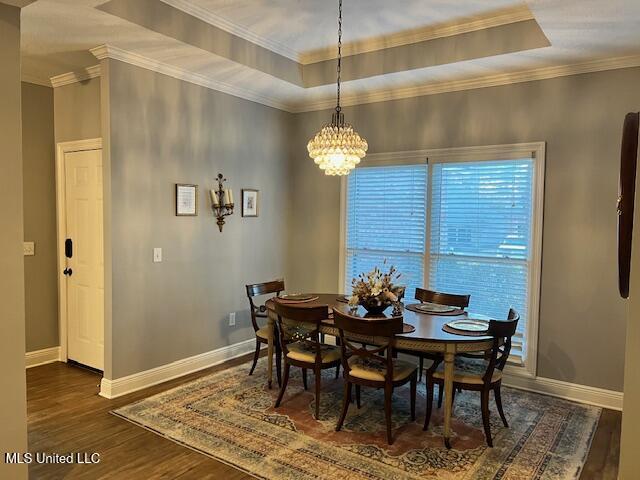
[186, 200]
[250, 202]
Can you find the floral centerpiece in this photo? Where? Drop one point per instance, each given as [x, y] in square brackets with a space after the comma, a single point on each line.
[375, 290]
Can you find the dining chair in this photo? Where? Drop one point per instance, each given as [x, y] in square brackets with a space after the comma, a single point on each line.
[479, 374]
[373, 367]
[299, 332]
[260, 311]
[448, 299]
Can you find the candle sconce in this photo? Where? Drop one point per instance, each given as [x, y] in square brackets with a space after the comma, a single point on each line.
[221, 201]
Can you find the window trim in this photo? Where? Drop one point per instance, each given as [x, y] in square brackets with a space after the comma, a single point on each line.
[534, 150]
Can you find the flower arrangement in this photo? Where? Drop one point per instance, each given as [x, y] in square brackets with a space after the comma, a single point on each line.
[376, 290]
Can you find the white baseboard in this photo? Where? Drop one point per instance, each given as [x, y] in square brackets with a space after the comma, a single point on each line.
[42, 357]
[137, 381]
[569, 391]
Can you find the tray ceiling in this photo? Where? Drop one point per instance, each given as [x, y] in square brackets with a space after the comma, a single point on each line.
[300, 34]
[304, 26]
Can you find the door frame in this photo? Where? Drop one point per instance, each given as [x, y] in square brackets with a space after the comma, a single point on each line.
[62, 148]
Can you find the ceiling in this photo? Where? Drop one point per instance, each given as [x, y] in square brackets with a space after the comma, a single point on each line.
[299, 37]
[308, 25]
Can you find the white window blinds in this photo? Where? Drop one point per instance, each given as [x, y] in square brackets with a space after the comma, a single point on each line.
[386, 214]
[481, 223]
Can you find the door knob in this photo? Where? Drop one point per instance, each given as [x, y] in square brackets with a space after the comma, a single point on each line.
[68, 272]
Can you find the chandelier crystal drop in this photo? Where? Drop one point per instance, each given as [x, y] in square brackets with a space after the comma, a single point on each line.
[337, 148]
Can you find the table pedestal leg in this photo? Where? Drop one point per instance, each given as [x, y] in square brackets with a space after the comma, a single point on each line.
[270, 348]
[449, 358]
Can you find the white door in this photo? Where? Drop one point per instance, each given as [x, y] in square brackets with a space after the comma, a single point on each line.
[85, 268]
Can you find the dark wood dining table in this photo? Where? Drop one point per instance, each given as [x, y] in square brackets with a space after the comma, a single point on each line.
[428, 336]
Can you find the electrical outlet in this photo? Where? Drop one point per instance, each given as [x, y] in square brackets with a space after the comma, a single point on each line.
[232, 319]
[157, 255]
[29, 248]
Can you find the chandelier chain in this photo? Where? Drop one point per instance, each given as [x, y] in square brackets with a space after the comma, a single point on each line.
[339, 51]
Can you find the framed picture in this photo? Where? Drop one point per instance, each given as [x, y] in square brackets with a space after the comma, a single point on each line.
[249, 202]
[186, 200]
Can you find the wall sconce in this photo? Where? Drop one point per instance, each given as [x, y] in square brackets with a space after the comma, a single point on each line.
[221, 201]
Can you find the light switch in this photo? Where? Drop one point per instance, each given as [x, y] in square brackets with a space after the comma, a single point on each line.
[232, 319]
[29, 248]
[157, 255]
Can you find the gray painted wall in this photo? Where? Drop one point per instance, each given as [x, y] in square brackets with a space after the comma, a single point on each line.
[13, 403]
[38, 155]
[77, 111]
[582, 319]
[49, 116]
[164, 131]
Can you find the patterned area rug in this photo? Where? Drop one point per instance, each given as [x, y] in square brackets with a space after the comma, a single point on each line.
[230, 417]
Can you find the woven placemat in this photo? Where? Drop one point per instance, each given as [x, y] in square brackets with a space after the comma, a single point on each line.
[464, 333]
[412, 307]
[306, 300]
[406, 328]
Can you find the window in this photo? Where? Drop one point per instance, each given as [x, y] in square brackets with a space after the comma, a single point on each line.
[386, 215]
[469, 222]
[481, 235]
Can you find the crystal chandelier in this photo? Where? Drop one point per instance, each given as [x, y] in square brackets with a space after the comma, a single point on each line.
[337, 148]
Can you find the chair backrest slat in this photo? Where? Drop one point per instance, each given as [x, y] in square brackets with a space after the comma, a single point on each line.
[255, 289]
[439, 298]
[374, 327]
[301, 313]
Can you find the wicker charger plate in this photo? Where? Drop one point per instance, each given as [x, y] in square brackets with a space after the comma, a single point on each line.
[414, 308]
[472, 327]
[297, 298]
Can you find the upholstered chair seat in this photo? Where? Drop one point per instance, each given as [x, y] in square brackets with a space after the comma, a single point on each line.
[370, 369]
[263, 333]
[304, 352]
[468, 370]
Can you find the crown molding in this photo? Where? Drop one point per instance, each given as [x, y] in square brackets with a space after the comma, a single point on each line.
[496, 18]
[115, 53]
[25, 77]
[542, 73]
[74, 77]
[233, 28]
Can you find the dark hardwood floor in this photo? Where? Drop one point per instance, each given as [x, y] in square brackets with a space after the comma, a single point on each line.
[67, 415]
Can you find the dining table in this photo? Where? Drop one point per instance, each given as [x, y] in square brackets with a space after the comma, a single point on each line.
[427, 335]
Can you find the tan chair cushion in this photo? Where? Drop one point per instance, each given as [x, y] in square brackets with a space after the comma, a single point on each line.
[263, 333]
[468, 370]
[369, 369]
[306, 353]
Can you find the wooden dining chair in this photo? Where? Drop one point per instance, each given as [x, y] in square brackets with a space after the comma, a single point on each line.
[448, 299]
[260, 311]
[299, 333]
[373, 367]
[479, 374]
